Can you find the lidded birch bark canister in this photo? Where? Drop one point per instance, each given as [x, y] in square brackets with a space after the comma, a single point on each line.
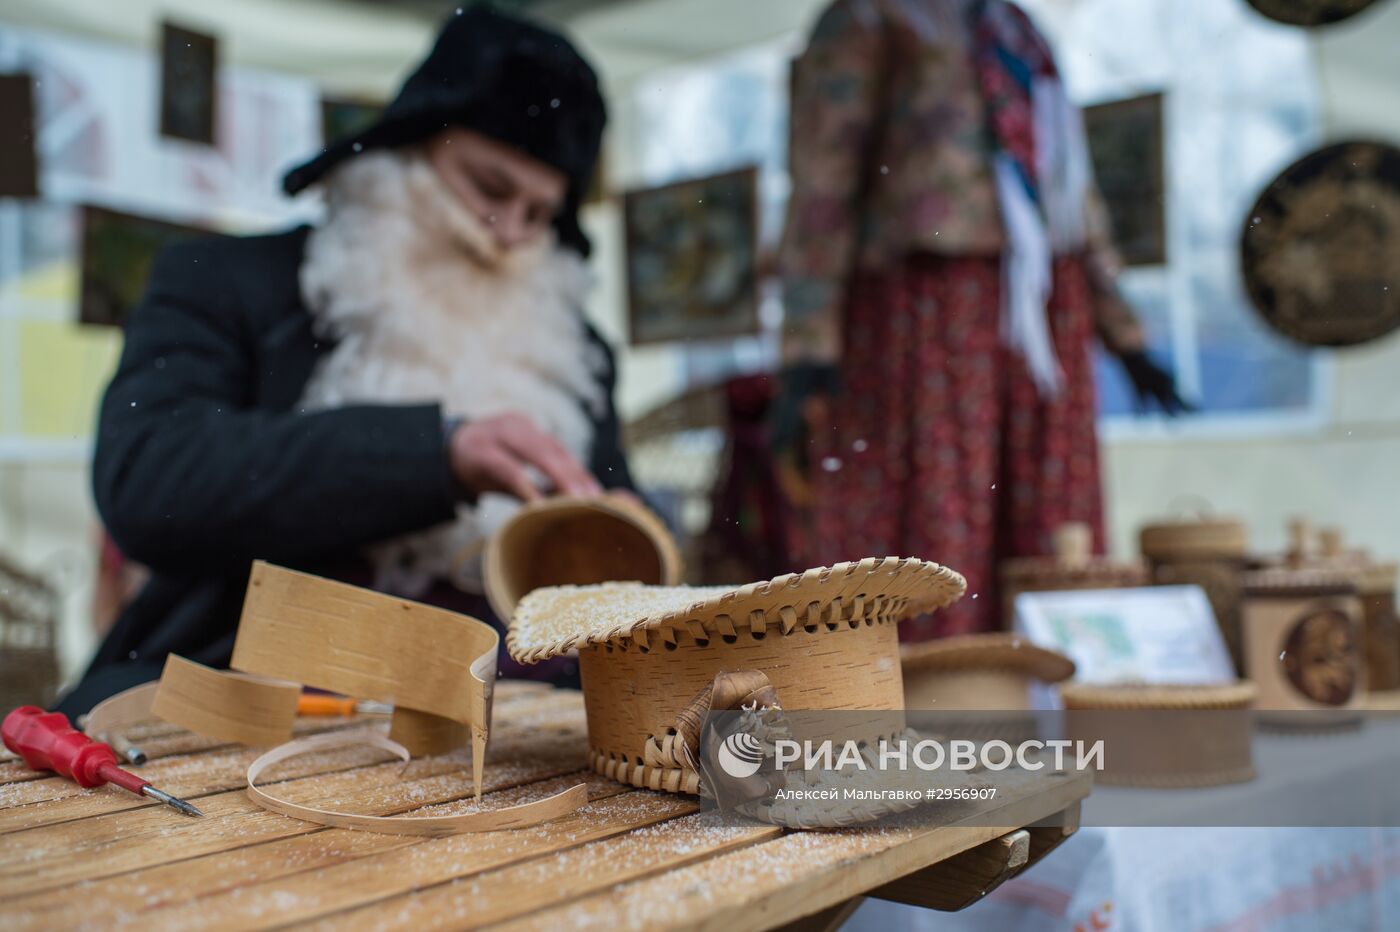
[1207, 552]
[979, 686]
[1072, 565]
[1176, 736]
[824, 639]
[1375, 585]
[1303, 646]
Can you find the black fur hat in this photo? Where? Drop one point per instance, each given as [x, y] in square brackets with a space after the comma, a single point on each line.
[503, 77]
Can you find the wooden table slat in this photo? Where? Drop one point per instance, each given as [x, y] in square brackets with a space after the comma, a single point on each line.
[51, 855]
[542, 882]
[631, 859]
[221, 767]
[803, 873]
[412, 863]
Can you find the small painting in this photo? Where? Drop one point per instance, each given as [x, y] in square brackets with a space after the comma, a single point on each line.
[188, 84]
[342, 117]
[691, 258]
[19, 166]
[1125, 143]
[118, 252]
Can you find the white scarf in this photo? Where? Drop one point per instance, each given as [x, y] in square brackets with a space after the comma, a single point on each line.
[425, 308]
[1033, 240]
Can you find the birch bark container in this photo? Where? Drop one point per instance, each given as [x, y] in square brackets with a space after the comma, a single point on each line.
[1303, 646]
[1210, 553]
[1071, 566]
[825, 639]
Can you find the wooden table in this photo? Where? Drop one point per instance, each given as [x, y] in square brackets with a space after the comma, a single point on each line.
[631, 858]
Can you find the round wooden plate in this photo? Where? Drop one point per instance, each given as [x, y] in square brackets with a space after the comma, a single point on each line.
[1321, 246]
[1310, 12]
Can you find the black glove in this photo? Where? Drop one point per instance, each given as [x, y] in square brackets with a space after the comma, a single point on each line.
[1153, 383]
[795, 385]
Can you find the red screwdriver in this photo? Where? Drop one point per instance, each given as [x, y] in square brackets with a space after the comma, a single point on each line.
[47, 742]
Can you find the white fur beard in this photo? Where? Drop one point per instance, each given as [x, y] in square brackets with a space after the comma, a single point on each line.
[426, 309]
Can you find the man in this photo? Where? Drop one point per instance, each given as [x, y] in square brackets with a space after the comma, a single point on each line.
[370, 398]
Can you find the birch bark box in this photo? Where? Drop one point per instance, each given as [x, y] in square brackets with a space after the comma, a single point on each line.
[989, 672]
[1376, 586]
[1165, 736]
[1071, 566]
[1210, 553]
[1303, 646]
[825, 639]
[988, 678]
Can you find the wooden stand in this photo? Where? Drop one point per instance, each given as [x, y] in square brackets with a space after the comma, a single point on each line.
[29, 610]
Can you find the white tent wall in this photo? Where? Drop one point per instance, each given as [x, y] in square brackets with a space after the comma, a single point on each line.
[1340, 469]
[1335, 467]
[347, 48]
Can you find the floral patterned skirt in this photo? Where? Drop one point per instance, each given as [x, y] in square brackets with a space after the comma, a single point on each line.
[939, 446]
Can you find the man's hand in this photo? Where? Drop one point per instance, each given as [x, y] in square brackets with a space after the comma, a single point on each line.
[491, 455]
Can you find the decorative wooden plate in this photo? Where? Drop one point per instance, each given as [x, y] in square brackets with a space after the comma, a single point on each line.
[1321, 246]
[1310, 12]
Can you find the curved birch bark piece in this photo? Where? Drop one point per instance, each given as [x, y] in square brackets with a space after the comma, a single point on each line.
[332, 635]
[122, 710]
[226, 704]
[526, 814]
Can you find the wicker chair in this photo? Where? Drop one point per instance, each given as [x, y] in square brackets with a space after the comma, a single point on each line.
[28, 620]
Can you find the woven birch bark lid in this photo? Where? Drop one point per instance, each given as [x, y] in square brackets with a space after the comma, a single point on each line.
[1376, 578]
[1206, 538]
[1236, 695]
[1072, 561]
[1299, 582]
[557, 619]
[990, 652]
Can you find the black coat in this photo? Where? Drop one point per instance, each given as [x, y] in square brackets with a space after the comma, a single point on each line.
[204, 464]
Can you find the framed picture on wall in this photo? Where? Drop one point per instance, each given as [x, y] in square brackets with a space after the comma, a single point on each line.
[345, 116]
[19, 166]
[1125, 143]
[692, 252]
[118, 250]
[188, 84]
